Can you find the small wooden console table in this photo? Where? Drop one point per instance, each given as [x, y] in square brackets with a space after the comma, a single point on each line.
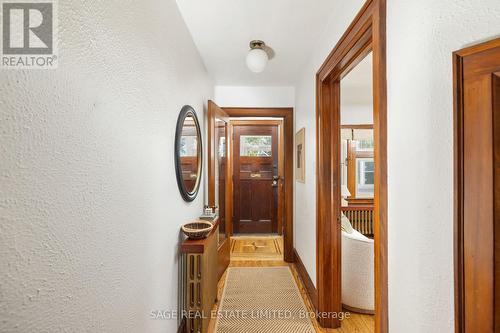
[201, 271]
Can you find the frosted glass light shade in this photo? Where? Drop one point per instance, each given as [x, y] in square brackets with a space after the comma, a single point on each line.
[257, 60]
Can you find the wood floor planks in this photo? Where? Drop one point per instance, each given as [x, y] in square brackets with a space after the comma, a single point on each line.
[251, 247]
[356, 323]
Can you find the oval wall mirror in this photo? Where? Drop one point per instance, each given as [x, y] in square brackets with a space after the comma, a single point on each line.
[188, 153]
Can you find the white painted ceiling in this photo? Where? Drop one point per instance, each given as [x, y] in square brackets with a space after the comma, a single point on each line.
[356, 87]
[222, 30]
[356, 94]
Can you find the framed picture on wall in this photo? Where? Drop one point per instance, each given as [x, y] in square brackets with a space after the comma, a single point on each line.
[300, 156]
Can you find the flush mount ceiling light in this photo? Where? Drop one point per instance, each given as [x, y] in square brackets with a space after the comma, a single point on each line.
[257, 58]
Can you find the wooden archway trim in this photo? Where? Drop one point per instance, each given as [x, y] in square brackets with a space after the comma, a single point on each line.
[365, 34]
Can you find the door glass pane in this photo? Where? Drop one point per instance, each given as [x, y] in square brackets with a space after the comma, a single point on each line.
[364, 177]
[256, 145]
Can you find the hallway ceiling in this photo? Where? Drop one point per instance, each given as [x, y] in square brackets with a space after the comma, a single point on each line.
[222, 30]
[357, 86]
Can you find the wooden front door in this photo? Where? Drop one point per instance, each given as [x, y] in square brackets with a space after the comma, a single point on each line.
[477, 188]
[255, 178]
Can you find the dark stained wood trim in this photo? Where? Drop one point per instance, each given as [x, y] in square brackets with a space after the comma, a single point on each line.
[496, 196]
[287, 115]
[312, 293]
[360, 201]
[355, 208]
[214, 111]
[258, 112]
[211, 155]
[328, 193]
[458, 119]
[380, 134]
[477, 48]
[254, 122]
[366, 33]
[281, 188]
[223, 256]
[362, 126]
[353, 42]
[458, 193]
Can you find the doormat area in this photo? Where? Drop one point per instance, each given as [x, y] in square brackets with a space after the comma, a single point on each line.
[258, 248]
[262, 300]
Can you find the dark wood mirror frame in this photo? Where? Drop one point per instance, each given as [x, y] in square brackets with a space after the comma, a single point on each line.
[187, 111]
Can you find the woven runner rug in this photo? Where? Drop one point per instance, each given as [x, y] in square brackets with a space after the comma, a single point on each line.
[262, 300]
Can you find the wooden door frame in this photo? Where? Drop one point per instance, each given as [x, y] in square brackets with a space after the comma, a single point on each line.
[281, 155]
[365, 34]
[352, 155]
[223, 249]
[458, 233]
[287, 115]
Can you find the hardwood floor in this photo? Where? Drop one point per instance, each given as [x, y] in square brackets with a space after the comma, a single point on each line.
[252, 247]
[354, 323]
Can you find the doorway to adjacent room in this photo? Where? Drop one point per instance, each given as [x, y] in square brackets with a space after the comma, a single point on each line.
[365, 35]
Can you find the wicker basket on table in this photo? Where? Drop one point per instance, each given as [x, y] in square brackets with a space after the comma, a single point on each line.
[197, 229]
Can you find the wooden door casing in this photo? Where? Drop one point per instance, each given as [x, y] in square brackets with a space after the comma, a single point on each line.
[366, 33]
[477, 190]
[496, 196]
[223, 187]
[222, 130]
[255, 199]
[286, 172]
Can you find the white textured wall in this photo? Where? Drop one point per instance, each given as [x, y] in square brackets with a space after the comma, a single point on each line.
[421, 38]
[227, 96]
[305, 116]
[89, 206]
[352, 114]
